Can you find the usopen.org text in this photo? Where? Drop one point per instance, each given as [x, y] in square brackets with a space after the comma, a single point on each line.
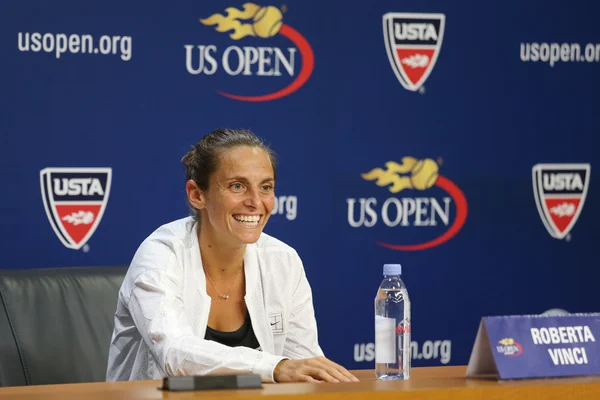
[61, 43]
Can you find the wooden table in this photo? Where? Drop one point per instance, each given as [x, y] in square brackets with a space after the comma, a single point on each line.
[425, 383]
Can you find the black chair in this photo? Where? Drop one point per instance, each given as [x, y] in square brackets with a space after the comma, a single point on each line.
[56, 324]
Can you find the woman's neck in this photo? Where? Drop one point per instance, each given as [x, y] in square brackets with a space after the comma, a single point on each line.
[220, 260]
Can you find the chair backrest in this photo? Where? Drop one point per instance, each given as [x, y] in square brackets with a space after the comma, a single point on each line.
[56, 324]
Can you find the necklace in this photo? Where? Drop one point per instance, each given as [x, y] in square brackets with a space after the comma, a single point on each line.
[225, 295]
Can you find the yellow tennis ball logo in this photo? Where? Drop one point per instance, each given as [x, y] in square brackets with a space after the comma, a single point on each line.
[267, 22]
[424, 174]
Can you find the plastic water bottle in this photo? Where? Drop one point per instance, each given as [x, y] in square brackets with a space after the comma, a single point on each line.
[392, 326]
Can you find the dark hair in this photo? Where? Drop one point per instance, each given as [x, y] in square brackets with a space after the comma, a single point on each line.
[203, 159]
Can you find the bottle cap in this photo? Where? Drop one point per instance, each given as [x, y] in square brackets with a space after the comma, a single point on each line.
[392, 269]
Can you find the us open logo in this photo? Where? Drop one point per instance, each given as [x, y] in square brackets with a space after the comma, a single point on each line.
[509, 347]
[413, 43]
[257, 28]
[75, 200]
[423, 199]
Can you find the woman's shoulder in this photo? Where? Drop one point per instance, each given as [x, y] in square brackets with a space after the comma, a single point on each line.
[170, 240]
[274, 252]
[180, 232]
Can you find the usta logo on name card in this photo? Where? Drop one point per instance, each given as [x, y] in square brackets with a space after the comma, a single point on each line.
[413, 43]
[75, 200]
[411, 209]
[259, 22]
[560, 191]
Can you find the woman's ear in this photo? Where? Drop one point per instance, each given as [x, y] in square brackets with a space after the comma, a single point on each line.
[195, 195]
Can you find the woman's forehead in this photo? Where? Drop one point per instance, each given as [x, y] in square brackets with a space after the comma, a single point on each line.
[244, 161]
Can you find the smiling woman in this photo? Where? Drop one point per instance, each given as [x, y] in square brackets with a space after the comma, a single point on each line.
[212, 293]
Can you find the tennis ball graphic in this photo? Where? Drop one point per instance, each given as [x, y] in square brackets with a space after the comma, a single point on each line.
[267, 22]
[424, 174]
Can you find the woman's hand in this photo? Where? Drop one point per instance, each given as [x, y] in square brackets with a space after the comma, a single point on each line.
[318, 369]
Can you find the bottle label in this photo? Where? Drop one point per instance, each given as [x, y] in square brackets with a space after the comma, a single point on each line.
[401, 329]
[385, 340]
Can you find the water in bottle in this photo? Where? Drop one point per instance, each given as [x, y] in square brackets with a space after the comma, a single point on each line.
[392, 326]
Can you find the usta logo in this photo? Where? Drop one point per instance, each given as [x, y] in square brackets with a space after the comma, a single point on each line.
[410, 211]
[77, 186]
[563, 181]
[415, 31]
[75, 200]
[560, 191]
[413, 43]
[263, 61]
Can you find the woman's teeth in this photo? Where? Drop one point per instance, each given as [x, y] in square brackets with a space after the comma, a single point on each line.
[248, 220]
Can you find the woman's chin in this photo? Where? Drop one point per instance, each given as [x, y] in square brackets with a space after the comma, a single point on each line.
[251, 239]
[248, 237]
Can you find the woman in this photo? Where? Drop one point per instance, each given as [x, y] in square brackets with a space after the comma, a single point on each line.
[212, 293]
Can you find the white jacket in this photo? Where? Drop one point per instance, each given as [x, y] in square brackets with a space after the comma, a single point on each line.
[162, 310]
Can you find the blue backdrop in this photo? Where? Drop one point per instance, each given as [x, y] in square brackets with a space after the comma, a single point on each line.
[479, 92]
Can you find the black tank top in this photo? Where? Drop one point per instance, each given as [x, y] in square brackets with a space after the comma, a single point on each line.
[242, 337]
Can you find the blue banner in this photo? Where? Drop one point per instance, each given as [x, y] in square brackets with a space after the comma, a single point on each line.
[457, 139]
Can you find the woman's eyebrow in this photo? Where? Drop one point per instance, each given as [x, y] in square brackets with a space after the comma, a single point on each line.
[245, 180]
[237, 178]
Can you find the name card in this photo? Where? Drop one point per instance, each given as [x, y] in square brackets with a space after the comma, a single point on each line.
[536, 346]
